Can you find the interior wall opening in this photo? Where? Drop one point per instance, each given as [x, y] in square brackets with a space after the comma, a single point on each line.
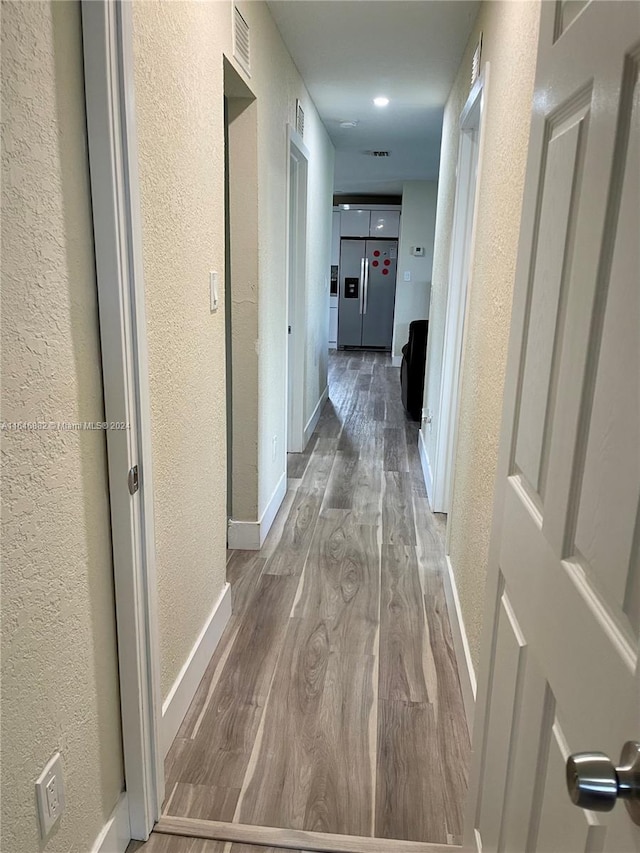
[241, 294]
[459, 268]
[296, 290]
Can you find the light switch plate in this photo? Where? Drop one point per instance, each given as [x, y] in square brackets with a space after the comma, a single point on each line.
[50, 795]
[213, 290]
[407, 275]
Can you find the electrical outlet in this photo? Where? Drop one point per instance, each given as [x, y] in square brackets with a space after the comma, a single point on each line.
[274, 450]
[53, 802]
[407, 275]
[50, 795]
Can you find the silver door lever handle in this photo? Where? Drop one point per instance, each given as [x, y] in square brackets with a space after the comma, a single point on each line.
[595, 783]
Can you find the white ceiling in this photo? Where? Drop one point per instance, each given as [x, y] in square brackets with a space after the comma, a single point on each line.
[350, 51]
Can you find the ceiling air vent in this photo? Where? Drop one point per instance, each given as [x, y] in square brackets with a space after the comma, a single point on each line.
[299, 118]
[241, 40]
[377, 153]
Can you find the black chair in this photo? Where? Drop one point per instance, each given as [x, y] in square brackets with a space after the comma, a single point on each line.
[414, 354]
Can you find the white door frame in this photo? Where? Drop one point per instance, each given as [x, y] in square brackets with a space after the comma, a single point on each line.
[108, 65]
[460, 266]
[296, 253]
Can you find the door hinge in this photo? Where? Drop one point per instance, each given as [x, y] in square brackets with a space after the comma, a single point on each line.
[289, 329]
[133, 480]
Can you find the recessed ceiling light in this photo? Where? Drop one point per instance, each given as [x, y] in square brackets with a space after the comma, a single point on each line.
[381, 101]
[348, 124]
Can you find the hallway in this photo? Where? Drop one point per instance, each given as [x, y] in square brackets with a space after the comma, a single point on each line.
[333, 702]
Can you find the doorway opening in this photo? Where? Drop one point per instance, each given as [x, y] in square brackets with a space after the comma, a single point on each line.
[296, 288]
[469, 156]
[241, 294]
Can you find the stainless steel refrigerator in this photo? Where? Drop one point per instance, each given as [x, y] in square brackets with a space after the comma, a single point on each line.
[367, 293]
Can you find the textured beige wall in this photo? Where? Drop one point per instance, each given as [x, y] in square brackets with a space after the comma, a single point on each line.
[417, 227]
[510, 35]
[179, 107]
[59, 668]
[179, 50]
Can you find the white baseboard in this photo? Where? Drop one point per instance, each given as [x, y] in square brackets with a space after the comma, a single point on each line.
[115, 835]
[271, 509]
[250, 535]
[184, 687]
[426, 467]
[396, 360]
[244, 535]
[461, 646]
[312, 423]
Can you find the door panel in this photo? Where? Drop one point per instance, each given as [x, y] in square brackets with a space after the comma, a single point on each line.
[530, 734]
[561, 826]
[549, 284]
[607, 522]
[510, 663]
[352, 254]
[380, 294]
[560, 668]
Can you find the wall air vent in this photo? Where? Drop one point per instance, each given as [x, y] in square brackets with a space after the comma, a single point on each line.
[475, 62]
[241, 41]
[299, 118]
[377, 153]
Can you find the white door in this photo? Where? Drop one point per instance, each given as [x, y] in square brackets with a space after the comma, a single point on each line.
[561, 652]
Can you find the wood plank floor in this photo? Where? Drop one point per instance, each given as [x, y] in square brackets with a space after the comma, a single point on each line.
[333, 702]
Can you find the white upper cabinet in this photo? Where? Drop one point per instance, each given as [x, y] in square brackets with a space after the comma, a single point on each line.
[355, 223]
[384, 223]
[366, 222]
